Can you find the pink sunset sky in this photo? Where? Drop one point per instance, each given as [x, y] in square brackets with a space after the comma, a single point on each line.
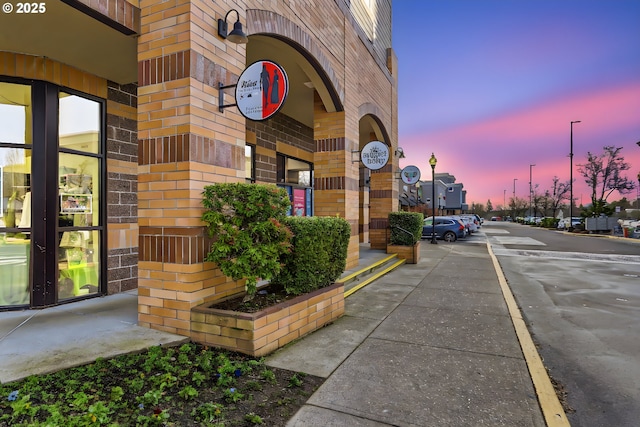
[491, 86]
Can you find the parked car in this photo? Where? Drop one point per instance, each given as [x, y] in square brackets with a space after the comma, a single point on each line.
[475, 219]
[564, 222]
[447, 228]
[469, 222]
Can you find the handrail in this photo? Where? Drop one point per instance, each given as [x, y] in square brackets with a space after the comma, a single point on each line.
[405, 231]
[413, 246]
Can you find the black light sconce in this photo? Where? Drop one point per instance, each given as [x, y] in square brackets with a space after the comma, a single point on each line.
[236, 35]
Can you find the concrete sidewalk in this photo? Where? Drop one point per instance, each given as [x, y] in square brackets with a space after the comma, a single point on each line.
[430, 344]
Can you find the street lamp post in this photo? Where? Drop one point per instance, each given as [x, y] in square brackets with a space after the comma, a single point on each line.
[432, 162]
[530, 193]
[638, 198]
[514, 198]
[571, 177]
[504, 204]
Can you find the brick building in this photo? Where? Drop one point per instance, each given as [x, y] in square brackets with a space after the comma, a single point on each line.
[110, 127]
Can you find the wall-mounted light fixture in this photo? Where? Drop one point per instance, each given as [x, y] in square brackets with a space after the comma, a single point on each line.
[400, 153]
[236, 35]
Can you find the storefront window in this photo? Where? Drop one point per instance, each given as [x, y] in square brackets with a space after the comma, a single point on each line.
[295, 176]
[50, 195]
[78, 263]
[79, 124]
[79, 201]
[15, 193]
[249, 162]
[78, 260]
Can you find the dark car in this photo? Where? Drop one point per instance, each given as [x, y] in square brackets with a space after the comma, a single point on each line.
[447, 228]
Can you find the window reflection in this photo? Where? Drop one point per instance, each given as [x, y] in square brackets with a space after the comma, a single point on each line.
[78, 190]
[15, 113]
[15, 194]
[78, 263]
[79, 123]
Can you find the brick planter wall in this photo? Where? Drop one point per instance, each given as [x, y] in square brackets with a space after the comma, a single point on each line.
[410, 253]
[258, 334]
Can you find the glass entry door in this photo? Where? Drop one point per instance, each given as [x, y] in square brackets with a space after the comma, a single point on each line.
[51, 184]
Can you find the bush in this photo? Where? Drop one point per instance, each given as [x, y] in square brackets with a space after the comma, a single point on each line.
[245, 221]
[548, 222]
[318, 256]
[409, 221]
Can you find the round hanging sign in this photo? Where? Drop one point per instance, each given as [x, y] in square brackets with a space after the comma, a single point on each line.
[375, 155]
[261, 90]
[410, 175]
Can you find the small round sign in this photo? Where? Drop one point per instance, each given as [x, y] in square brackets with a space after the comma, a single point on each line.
[375, 155]
[261, 90]
[410, 175]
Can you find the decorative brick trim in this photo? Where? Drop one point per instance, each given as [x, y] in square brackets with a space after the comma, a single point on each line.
[175, 245]
[330, 144]
[189, 147]
[378, 223]
[336, 183]
[178, 65]
[380, 194]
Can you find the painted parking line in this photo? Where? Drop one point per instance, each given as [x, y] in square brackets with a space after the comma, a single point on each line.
[574, 256]
[496, 231]
[552, 410]
[513, 240]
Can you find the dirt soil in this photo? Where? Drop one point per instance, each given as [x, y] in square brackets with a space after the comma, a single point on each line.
[265, 297]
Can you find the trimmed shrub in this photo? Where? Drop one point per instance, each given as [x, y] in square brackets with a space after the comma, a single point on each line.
[409, 221]
[245, 222]
[318, 256]
[548, 222]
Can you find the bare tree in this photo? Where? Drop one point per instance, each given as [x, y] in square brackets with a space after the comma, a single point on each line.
[558, 194]
[519, 206]
[603, 174]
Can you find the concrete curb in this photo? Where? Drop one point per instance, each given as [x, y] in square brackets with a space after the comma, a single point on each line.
[549, 403]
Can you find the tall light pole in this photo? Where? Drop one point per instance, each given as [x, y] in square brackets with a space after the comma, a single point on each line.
[571, 178]
[504, 205]
[514, 198]
[530, 193]
[638, 198]
[432, 162]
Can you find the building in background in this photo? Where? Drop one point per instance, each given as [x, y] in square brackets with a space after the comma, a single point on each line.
[450, 198]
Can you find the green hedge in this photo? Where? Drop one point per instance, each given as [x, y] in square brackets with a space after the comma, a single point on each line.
[409, 221]
[318, 256]
[245, 222]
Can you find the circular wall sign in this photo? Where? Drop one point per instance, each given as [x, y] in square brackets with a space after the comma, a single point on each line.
[410, 175]
[375, 155]
[261, 90]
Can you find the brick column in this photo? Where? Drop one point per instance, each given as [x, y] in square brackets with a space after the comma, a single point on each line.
[185, 143]
[336, 182]
[384, 199]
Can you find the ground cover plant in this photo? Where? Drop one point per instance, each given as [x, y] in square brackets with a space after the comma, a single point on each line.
[190, 385]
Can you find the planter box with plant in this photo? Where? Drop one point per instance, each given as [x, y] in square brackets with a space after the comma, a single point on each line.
[299, 257]
[406, 231]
